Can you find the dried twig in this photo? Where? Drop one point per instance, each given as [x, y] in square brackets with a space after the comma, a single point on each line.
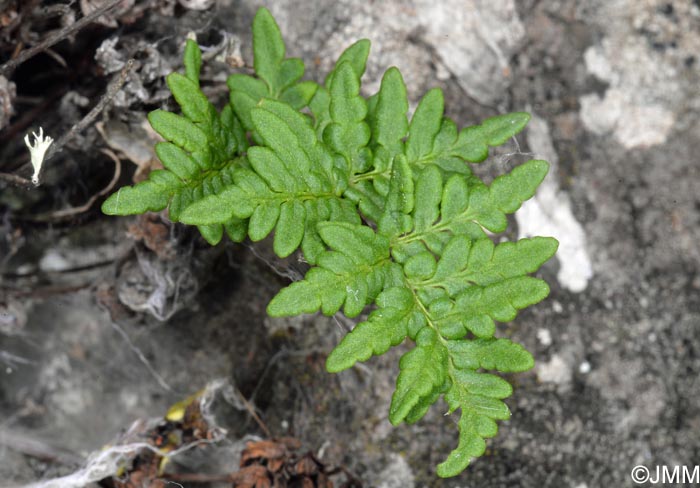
[254, 414]
[76, 269]
[142, 357]
[15, 180]
[112, 89]
[57, 57]
[72, 211]
[47, 291]
[56, 37]
[24, 443]
[198, 478]
[13, 360]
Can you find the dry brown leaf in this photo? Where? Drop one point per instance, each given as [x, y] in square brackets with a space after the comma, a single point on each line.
[251, 477]
[155, 235]
[263, 450]
[306, 466]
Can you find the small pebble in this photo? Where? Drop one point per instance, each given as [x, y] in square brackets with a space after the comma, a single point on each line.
[584, 367]
[545, 337]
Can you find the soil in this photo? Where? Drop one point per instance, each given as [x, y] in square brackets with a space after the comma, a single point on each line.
[105, 321]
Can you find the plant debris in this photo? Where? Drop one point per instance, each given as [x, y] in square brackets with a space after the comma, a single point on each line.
[269, 463]
[8, 91]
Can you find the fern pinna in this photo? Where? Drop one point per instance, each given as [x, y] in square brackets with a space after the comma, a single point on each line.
[385, 209]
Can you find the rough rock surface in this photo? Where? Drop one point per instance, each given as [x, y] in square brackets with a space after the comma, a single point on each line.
[614, 88]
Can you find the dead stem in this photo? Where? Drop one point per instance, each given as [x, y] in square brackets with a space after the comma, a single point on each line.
[72, 211]
[112, 89]
[54, 38]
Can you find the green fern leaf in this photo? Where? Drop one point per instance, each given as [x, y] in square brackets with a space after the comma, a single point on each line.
[386, 327]
[479, 398]
[348, 134]
[269, 54]
[387, 119]
[194, 104]
[222, 131]
[390, 123]
[454, 208]
[236, 229]
[473, 142]
[499, 354]
[278, 76]
[435, 140]
[192, 61]
[211, 233]
[479, 395]
[425, 126]
[152, 195]
[385, 211]
[423, 370]
[351, 275]
[398, 201]
[185, 134]
[475, 283]
[356, 56]
[290, 187]
[386, 116]
[476, 308]
[465, 262]
[200, 154]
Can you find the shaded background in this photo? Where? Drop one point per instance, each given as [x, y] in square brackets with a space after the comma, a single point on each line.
[106, 320]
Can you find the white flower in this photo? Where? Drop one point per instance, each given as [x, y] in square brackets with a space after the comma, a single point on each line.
[38, 151]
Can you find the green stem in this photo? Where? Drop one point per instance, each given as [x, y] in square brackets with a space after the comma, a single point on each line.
[354, 179]
[428, 318]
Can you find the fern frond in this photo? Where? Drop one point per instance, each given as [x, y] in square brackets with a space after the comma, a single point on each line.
[396, 317]
[430, 141]
[503, 355]
[291, 186]
[278, 77]
[465, 262]
[390, 124]
[356, 55]
[423, 370]
[385, 210]
[479, 397]
[200, 155]
[462, 206]
[350, 275]
[477, 308]
[433, 139]
[455, 281]
[347, 133]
